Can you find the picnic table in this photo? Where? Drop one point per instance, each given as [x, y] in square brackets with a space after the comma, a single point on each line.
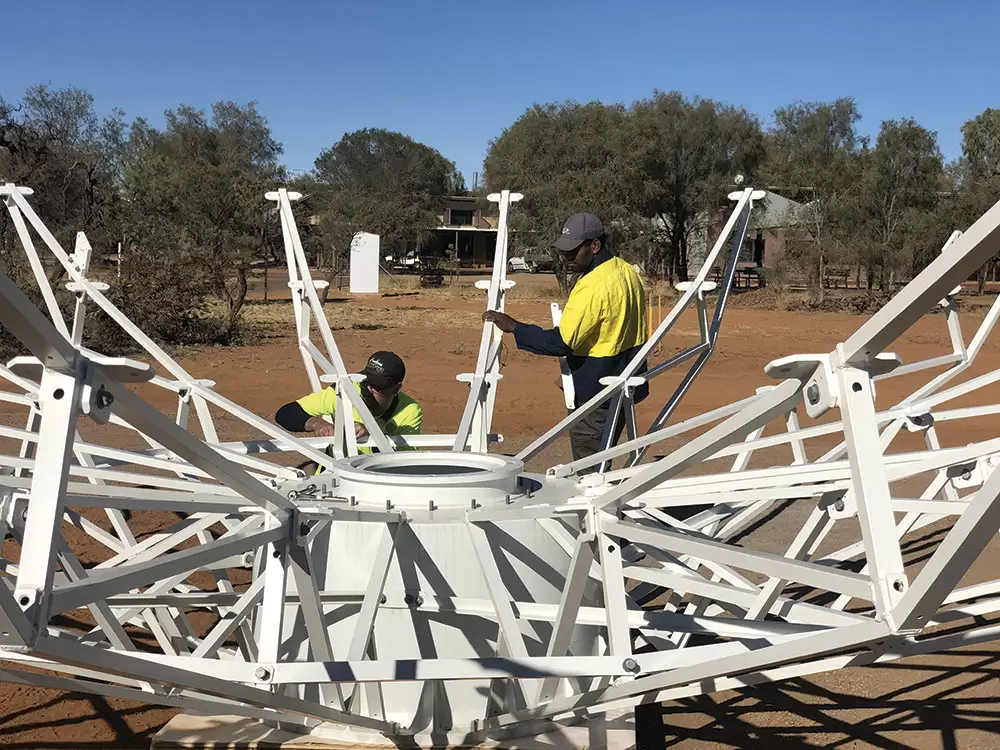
[833, 276]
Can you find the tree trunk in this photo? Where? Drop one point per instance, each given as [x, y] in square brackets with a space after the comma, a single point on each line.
[265, 283]
[236, 302]
[324, 293]
[562, 279]
[822, 293]
[682, 264]
[981, 280]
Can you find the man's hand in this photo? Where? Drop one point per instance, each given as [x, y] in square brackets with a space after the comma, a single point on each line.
[504, 322]
[319, 427]
[359, 431]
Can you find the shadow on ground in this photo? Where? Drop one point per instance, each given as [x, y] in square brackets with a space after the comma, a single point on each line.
[949, 700]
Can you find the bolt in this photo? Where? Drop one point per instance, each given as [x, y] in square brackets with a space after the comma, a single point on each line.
[966, 475]
[413, 600]
[382, 599]
[812, 393]
[104, 398]
[248, 559]
[24, 514]
[839, 506]
[918, 420]
[630, 665]
[292, 494]
[897, 586]
[262, 673]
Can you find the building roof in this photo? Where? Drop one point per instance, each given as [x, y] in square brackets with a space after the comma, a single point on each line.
[775, 212]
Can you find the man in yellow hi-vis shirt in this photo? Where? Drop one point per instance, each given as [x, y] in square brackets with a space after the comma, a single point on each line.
[603, 325]
[394, 411]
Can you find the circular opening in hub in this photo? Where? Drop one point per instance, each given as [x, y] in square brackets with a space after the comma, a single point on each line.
[435, 480]
[424, 469]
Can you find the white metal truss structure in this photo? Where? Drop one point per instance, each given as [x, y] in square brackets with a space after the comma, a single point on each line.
[422, 597]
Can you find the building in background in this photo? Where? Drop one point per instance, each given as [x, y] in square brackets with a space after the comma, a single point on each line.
[466, 231]
[773, 221]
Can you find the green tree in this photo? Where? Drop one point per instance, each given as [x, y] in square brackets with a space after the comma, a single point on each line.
[53, 142]
[685, 155]
[814, 154]
[195, 194]
[566, 158]
[900, 185]
[976, 176]
[383, 182]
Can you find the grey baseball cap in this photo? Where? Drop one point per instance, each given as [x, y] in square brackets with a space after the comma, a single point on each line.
[578, 229]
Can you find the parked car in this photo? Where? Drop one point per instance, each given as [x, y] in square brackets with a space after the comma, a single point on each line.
[406, 263]
[532, 260]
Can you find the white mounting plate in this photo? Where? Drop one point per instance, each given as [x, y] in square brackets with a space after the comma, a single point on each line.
[120, 369]
[76, 286]
[495, 197]
[357, 378]
[706, 286]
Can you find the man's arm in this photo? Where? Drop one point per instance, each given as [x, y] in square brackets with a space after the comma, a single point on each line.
[538, 340]
[530, 338]
[292, 417]
[306, 414]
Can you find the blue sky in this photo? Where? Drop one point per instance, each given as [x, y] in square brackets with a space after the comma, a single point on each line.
[453, 75]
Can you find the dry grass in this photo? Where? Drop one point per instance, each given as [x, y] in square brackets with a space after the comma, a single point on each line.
[276, 318]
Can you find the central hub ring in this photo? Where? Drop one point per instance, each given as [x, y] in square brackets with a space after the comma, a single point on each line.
[413, 480]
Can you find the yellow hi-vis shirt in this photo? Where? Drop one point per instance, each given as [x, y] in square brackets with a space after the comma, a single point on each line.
[606, 311]
[404, 416]
[603, 327]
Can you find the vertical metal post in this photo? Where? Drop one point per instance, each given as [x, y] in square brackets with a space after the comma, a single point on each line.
[870, 487]
[60, 397]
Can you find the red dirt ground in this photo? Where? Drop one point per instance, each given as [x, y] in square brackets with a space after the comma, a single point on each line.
[946, 700]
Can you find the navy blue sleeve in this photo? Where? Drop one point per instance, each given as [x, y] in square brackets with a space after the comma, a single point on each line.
[538, 340]
[292, 417]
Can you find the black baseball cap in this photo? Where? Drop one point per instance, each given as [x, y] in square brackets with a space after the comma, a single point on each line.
[578, 229]
[384, 370]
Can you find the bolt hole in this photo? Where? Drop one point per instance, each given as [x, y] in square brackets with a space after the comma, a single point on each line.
[24, 601]
[611, 548]
[856, 387]
[897, 585]
[277, 553]
[58, 393]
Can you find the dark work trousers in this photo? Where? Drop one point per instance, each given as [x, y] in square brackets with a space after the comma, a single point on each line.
[585, 436]
[585, 439]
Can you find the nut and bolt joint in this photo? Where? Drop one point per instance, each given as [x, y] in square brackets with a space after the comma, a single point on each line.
[812, 393]
[413, 600]
[104, 398]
